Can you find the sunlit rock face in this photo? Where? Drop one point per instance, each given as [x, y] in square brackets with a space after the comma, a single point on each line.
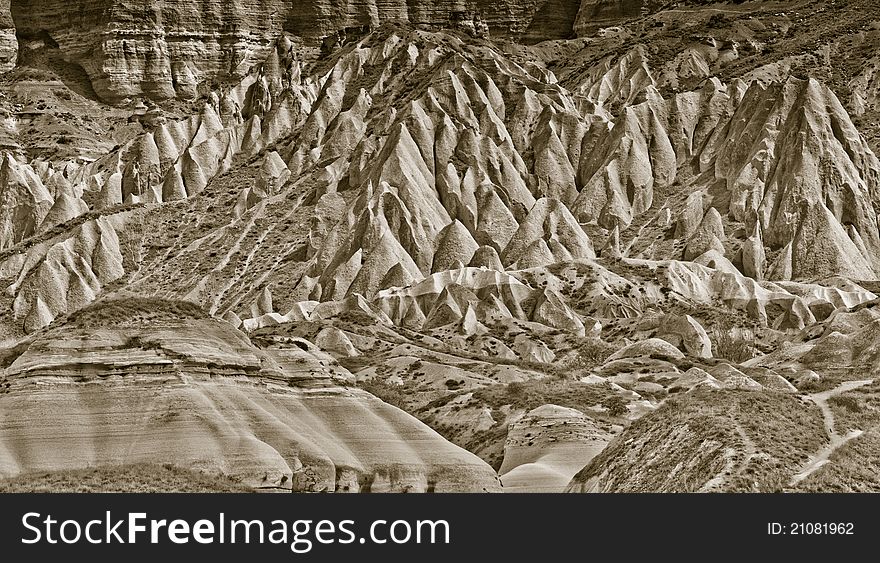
[139, 381]
[156, 49]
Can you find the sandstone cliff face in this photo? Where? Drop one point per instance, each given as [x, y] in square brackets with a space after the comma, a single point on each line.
[532, 19]
[595, 13]
[159, 50]
[167, 49]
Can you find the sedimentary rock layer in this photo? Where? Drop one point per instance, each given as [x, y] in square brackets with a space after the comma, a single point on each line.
[166, 49]
[153, 382]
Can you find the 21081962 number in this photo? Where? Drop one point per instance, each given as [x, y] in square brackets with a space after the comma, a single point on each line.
[821, 528]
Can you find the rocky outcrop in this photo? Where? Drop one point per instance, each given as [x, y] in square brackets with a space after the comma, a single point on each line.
[153, 381]
[686, 334]
[596, 13]
[845, 342]
[168, 49]
[547, 446]
[8, 40]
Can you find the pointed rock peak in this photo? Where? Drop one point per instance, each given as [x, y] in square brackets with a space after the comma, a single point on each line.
[691, 216]
[455, 246]
[264, 302]
[486, 257]
[273, 165]
[470, 324]
[612, 246]
[822, 245]
[712, 223]
[232, 318]
[66, 207]
[397, 276]
[336, 342]
[781, 268]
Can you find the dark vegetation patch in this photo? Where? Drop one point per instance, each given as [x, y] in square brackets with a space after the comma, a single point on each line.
[137, 478]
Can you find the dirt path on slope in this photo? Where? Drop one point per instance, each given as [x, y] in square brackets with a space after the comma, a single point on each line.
[820, 458]
[731, 468]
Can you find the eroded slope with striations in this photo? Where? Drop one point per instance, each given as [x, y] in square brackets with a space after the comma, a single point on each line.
[139, 381]
[420, 153]
[536, 249]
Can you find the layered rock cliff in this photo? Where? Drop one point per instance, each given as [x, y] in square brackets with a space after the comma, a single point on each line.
[8, 41]
[166, 49]
[596, 13]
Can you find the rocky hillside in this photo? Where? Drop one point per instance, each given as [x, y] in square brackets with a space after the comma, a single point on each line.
[557, 233]
[135, 380]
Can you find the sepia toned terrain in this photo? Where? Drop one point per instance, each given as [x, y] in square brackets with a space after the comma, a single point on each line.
[448, 246]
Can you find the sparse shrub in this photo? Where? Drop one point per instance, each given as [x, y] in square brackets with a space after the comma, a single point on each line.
[135, 478]
[396, 395]
[810, 385]
[356, 317]
[718, 20]
[733, 344]
[122, 310]
[615, 405]
[516, 389]
[591, 353]
[849, 403]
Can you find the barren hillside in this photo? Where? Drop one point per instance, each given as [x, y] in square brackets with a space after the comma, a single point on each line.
[522, 245]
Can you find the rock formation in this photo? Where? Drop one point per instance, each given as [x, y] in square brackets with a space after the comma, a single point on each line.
[547, 446]
[8, 40]
[161, 383]
[595, 13]
[525, 239]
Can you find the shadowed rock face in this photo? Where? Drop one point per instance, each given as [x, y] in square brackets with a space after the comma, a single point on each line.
[595, 13]
[8, 41]
[540, 19]
[156, 382]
